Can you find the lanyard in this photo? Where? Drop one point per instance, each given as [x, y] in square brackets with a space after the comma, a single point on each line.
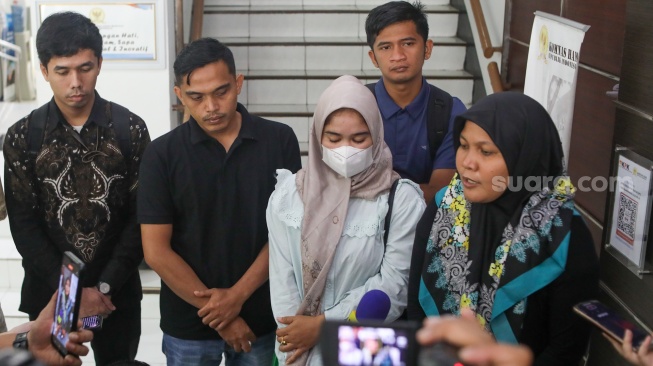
[89, 155]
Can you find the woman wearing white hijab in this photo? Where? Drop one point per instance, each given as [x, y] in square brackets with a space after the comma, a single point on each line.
[326, 224]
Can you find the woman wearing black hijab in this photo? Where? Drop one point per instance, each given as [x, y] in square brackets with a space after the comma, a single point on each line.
[503, 238]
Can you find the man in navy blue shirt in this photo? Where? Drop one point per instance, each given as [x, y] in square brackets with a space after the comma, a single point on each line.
[397, 33]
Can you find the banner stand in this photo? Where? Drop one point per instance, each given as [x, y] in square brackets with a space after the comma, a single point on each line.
[552, 69]
[572, 23]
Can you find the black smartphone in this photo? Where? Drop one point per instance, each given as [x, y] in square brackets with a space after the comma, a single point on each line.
[609, 322]
[68, 301]
[93, 322]
[376, 343]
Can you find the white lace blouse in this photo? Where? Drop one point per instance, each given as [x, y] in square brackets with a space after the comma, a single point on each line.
[359, 264]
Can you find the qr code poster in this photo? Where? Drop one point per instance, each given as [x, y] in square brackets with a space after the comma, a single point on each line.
[626, 218]
[631, 206]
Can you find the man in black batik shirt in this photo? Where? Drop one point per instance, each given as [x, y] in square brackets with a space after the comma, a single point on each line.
[71, 186]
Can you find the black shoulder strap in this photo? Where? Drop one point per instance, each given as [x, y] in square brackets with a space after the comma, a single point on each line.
[36, 129]
[439, 112]
[388, 216]
[39, 117]
[120, 120]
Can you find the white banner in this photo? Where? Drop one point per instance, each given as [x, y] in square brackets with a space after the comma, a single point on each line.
[552, 69]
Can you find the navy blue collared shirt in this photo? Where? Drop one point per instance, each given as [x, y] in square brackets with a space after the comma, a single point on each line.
[406, 136]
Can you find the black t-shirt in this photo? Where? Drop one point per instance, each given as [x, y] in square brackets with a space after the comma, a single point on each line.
[216, 202]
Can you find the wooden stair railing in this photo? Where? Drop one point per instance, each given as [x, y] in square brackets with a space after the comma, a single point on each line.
[486, 45]
[196, 23]
[197, 20]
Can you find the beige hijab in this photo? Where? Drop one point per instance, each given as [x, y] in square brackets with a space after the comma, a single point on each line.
[326, 194]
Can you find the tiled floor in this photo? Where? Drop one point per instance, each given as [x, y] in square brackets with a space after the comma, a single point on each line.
[149, 350]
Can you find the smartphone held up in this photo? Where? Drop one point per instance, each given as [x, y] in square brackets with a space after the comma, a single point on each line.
[68, 301]
[370, 342]
[609, 322]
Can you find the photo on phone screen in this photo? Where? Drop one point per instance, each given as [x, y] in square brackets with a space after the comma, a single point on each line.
[609, 321]
[372, 342]
[368, 343]
[359, 345]
[68, 298]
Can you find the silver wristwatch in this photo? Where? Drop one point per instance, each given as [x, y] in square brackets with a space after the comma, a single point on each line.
[104, 288]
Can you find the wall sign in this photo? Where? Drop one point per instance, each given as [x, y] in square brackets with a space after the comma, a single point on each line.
[630, 209]
[132, 32]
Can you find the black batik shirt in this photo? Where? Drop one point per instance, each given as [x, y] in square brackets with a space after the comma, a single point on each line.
[57, 202]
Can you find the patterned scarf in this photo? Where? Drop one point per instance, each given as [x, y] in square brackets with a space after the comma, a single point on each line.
[531, 254]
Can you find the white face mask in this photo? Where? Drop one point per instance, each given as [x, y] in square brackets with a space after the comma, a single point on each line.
[347, 160]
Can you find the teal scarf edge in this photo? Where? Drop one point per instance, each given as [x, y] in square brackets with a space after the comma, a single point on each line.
[526, 284]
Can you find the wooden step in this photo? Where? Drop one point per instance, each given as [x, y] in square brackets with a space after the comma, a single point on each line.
[11, 272]
[332, 74]
[304, 88]
[291, 50]
[309, 21]
[312, 9]
[257, 3]
[321, 41]
[333, 57]
[281, 110]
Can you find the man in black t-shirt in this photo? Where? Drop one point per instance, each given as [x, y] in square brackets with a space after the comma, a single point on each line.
[204, 189]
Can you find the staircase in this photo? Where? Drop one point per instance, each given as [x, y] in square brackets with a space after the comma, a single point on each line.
[291, 50]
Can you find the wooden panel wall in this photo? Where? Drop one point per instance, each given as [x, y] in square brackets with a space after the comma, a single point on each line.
[631, 295]
[522, 16]
[617, 50]
[591, 137]
[604, 41]
[594, 112]
[637, 73]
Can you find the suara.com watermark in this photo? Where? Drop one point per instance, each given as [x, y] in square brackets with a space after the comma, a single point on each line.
[583, 184]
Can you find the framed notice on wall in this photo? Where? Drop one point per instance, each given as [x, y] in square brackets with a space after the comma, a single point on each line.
[132, 31]
[630, 209]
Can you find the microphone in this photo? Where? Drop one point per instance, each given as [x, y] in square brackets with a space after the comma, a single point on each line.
[374, 305]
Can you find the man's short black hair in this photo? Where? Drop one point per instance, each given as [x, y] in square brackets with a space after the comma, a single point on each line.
[200, 53]
[395, 12]
[66, 33]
